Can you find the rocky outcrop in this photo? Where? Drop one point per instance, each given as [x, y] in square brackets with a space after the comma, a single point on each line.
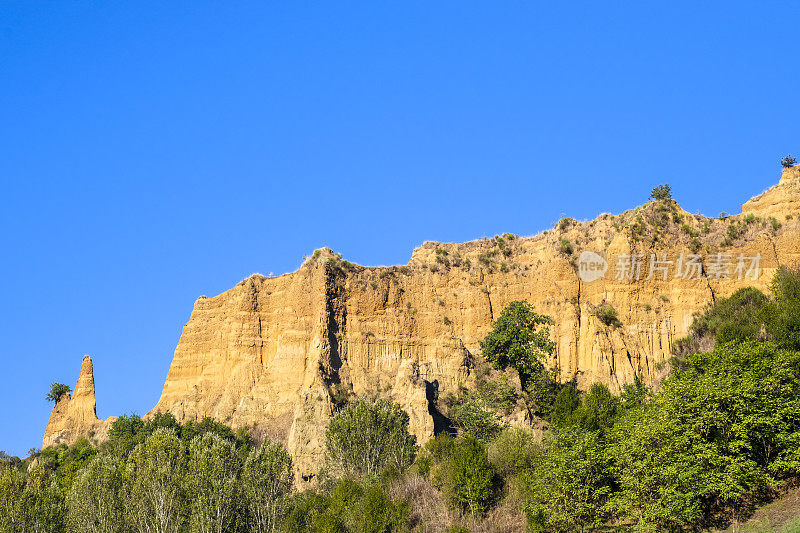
[75, 415]
[277, 354]
[779, 201]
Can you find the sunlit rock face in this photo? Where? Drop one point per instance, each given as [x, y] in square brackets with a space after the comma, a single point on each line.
[273, 353]
[75, 415]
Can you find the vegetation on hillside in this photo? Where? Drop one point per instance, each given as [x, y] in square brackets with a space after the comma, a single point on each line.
[719, 437]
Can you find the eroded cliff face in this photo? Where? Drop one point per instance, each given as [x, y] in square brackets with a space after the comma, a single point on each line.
[780, 200]
[276, 354]
[75, 415]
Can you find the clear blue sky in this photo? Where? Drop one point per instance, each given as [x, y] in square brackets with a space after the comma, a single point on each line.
[152, 152]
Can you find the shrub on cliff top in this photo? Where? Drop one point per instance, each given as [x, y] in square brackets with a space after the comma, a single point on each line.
[57, 390]
[662, 192]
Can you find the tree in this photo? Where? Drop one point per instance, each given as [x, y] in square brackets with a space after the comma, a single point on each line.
[12, 486]
[57, 390]
[476, 418]
[788, 161]
[566, 402]
[785, 328]
[367, 437]
[661, 193]
[519, 339]
[94, 503]
[212, 484]
[569, 484]
[154, 473]
[42, 506]
[724, 428]
[598, 409]
[469, 478]
[267, 483]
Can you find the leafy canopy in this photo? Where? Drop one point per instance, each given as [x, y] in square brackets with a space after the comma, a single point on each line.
[57, 390]
[520, 339]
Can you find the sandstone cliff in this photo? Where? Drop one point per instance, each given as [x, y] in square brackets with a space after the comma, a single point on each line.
[75, 415]
[780, 200]
[276, 353]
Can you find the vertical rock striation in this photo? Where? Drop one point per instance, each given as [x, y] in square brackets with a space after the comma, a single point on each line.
[278, 354]
[75, 415]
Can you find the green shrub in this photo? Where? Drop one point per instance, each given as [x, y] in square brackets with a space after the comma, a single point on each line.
[513, 451]
[57, 390]
[788, 161]
[366, 438]
[469, 481]
[661, 192]
[598, 410]
[607, 315]
[565, 247]
[689, 230]
[569, 486]
[565, 404]
[476, 418]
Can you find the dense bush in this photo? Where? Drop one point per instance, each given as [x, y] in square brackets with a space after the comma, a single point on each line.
[520, 339]
[468, 478]
[607, 315]
[349, 507]
[57, 390]
[661, 192]
[366, 438]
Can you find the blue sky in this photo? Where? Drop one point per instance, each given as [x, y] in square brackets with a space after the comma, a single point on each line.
[153, 152]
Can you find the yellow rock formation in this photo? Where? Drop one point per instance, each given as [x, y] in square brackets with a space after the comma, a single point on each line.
[75, 415]
[273, 353]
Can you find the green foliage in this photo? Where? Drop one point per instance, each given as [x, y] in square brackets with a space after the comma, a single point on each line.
[569, 483]
[12, 487]
[350, 507]
[542, 387]
[788, 161]
[607, 315]
[212, 483]
[153, 480]
[566, 402]
[476, 418]
[366, 438]
[62, 462]
[598, 410]
[750, 314]
[739, 317]
[661, 192]
[95, 502]
[519, 339]
[785, 326]
[469, 478]
[565, 247]
[57, 390]
[724, 428]
[513, 451]
[42, 507]
[477, 412]
[267, 485]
